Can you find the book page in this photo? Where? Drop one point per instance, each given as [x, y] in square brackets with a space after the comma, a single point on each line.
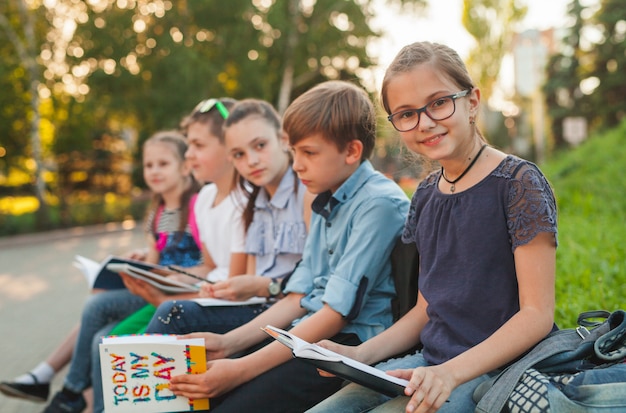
[304, 349]
[217, 302]
[88, 267]
[157, 280]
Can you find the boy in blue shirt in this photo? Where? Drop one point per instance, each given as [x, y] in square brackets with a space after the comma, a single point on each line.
[342, 289]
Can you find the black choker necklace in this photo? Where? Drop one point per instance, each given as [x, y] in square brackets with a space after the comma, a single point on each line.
[454, 181]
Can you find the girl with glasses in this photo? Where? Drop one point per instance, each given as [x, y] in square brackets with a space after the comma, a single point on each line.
[485, 230]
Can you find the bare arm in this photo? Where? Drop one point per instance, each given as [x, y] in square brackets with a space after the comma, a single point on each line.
[225, 374]
[238, 264]
[152, 255]
[535, 265]
[403, 335]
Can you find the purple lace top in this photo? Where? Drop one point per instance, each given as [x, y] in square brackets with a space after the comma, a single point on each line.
[466, 242]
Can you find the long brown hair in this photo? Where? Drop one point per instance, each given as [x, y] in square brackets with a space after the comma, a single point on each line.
[264, 110]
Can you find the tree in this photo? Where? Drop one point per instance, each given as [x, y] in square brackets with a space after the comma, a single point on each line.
[492, 23]
[18, 23]
[562, 88]
[126, 68]
[609, 64]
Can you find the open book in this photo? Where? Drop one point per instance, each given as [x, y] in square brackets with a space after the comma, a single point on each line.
[136, 371]
[96, 273]
[155, 275]
[339, 365]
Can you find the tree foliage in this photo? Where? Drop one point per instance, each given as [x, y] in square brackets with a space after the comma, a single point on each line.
[562, 89]
[594, 54]
[492, 23]
[609, 64]
[112, 72]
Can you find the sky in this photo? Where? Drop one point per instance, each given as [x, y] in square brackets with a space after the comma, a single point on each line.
[442, 24]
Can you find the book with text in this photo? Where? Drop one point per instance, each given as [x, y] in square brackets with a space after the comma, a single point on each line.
[155, 275]
[136, 371]
[339, 365]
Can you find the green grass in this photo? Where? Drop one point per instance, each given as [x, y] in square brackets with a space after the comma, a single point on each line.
[590, 188]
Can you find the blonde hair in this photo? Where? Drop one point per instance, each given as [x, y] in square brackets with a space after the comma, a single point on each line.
[178, 143]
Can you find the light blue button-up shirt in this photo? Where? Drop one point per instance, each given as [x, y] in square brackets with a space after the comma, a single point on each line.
[277, 233]
[345, 262]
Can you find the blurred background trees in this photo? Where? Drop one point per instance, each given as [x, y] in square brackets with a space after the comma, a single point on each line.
[586, 78]
[85, 82]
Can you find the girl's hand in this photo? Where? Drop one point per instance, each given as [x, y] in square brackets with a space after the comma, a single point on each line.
[215, 345]
[429, 387]
[348, 351]
[206, 290]
[143, 289]
[240, 288]
[139, 254]
[221, 376]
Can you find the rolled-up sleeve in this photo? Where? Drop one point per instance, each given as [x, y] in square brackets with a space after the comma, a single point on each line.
[345, 263]
[374, 229]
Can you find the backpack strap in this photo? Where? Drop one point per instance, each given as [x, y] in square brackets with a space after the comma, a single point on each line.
[193, 224]
[496, 392]
[159, 238]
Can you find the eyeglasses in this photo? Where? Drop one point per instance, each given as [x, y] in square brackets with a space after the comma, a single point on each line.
[208, 104]
[439, 109]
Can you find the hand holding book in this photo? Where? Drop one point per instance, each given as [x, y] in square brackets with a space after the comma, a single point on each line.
[136, 373]
[338, 364]
[155, 275]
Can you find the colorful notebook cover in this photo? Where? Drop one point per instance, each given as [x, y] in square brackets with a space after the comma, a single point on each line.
[136, 371]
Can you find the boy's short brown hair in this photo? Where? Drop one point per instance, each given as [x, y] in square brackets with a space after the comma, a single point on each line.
[340, 111]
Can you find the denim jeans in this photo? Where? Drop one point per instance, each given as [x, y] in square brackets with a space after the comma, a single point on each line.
[183, 317]
[598, 390]
[96, 373]
[101, 310]
[355, 398]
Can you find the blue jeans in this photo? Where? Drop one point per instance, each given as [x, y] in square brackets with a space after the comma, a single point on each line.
[599, 390]
[96, 373]
[101, 310]
[355, 398]
[183, 317]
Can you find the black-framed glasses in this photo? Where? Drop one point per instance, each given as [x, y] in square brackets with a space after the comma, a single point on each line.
[439, 109]
[208, 104]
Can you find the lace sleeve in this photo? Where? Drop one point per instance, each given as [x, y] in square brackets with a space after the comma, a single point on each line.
[410, 226]
[531, 206]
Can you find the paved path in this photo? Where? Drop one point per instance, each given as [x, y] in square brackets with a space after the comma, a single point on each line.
[41, 295]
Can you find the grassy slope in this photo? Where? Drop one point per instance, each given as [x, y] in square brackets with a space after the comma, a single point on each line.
[590, 186]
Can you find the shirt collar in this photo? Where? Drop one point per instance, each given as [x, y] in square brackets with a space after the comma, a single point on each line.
[325, 202]
[282, 195]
